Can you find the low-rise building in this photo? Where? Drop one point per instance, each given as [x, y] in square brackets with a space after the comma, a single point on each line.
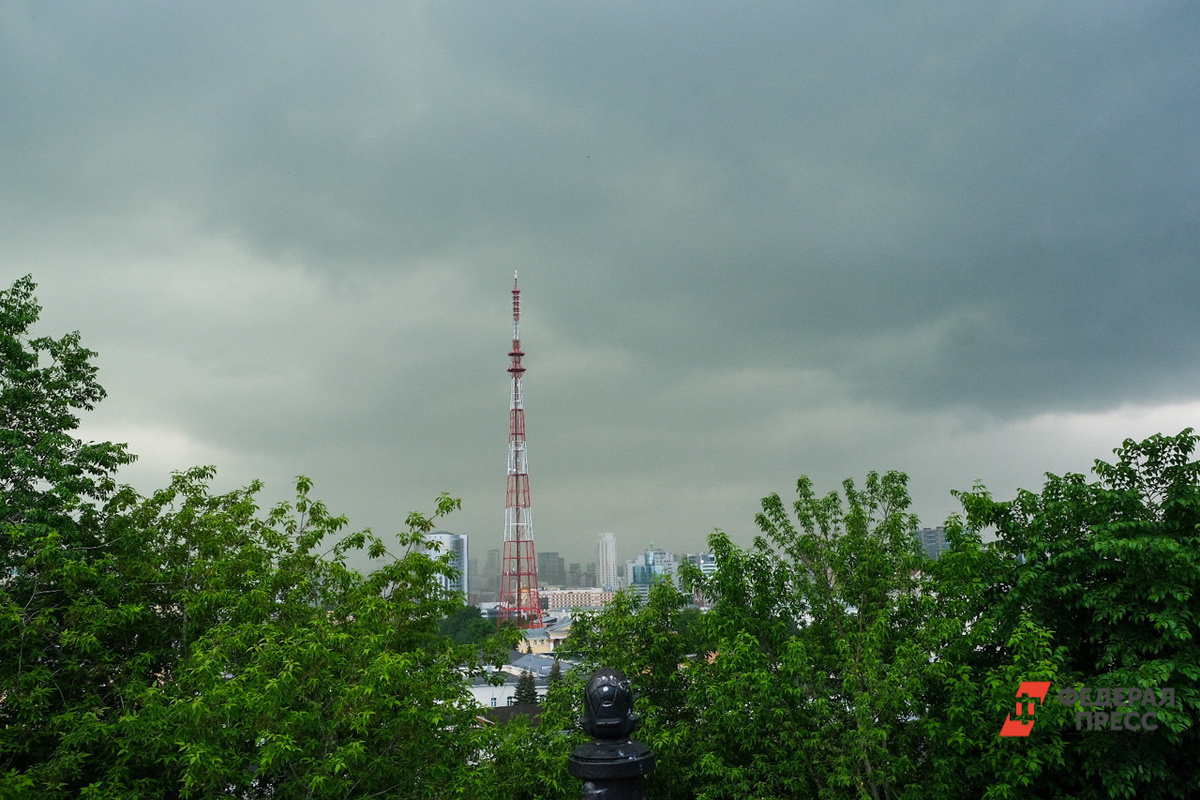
[559, 599]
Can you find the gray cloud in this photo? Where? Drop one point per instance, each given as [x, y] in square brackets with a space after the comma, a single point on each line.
[755, 240]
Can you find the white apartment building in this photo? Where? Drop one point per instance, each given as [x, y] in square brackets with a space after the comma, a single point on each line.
[456, 545]
[606, 561]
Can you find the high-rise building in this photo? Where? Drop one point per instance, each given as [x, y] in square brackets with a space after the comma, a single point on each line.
[606, 561]
[440, 543]
[650, 567]
[485, 587]
[552, 569]
[473, 581]
[933, 541]
[519, 600]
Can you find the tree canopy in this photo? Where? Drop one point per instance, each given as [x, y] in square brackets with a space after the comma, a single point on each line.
[838, 662]
[1106, 573]
[185, 644]
[526, 694]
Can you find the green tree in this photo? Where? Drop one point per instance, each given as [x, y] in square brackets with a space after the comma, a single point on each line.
[524, 761]
[48, 478]
[278, 670]
[186, 645]
[820, 648]
[1108, 572]
[304, 678]
[72, 641]
[526, 694]
[467, 626]
[806, 677]
[837, 662]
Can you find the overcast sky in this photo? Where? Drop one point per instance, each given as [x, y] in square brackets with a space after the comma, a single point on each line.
[755, 240]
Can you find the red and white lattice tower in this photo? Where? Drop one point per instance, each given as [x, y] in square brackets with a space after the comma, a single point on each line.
[519, 598]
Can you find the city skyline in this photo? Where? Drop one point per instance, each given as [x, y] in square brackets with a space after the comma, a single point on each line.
[756, 242]
[620, 557]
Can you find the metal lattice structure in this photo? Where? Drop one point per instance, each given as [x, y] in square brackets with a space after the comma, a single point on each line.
[520, 601]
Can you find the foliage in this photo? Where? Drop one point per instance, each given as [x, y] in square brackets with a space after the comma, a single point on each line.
[526, 694]
[1111, 569]
[467, 626]
[837, 662]
[309, 679]
[184, 645]
[48, 479]
[804, 677]
[528, 762]
[279, 670]
[819, 651]
[71, 633]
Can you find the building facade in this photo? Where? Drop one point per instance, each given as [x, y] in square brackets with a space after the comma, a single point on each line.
[606, 561]
[558, 599]
[933, 541]
[650, 567]
[457, 545]
[552, 569]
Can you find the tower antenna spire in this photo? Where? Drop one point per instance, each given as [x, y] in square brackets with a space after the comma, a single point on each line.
[520, 600]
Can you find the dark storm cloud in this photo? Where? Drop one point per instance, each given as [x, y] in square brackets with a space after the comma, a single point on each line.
[901, 197]
[746, 231]
[978, 202]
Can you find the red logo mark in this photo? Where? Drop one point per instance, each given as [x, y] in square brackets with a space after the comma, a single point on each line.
[1029, 696]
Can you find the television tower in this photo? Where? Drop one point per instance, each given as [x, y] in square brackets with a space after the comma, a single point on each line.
[519, 598]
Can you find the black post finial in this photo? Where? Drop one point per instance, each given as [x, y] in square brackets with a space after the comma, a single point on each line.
[611, 766]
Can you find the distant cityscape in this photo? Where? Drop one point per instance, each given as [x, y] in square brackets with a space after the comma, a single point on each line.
[579, 585]
[568, 588]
